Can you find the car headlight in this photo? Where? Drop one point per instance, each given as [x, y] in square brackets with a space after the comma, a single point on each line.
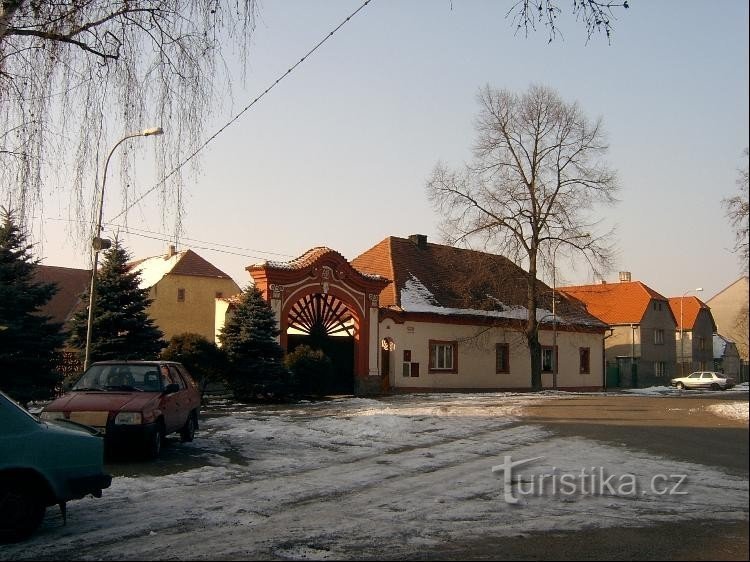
[52, 416]
[128, 418]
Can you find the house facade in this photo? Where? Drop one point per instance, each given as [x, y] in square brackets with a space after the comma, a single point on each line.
[410, 315]
[730, 312]
[184, 289]
[727, 358]
[640, 349]
[694, 334]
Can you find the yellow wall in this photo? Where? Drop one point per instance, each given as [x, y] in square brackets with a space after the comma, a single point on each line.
[197, 314]
[476, 356]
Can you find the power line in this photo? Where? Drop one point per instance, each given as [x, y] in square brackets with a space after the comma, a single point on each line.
[246, 108]
[211, 245]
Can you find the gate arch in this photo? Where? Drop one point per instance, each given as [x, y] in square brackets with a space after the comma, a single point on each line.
[321, 295]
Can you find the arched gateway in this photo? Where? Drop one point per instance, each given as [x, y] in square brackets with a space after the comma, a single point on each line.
[320, 299]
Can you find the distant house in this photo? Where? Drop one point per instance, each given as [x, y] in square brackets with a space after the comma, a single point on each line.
[641, 349]
[726, 357]
[184, 288]
[730, 311]
[71, 285]
[408, 315]
[694, 334]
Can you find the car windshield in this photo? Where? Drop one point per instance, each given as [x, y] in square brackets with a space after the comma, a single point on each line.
[114, 377]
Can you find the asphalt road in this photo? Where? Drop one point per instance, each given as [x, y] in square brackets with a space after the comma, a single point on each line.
[681, 428]
[321, 513]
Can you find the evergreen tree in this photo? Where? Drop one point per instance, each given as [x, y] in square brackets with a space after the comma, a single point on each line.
[256, 369]
[29, 342]
[122, 328]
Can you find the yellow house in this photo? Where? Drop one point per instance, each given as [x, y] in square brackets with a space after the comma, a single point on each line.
[184, 288]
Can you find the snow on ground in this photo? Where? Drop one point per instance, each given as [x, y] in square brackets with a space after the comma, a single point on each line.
[341, 479]
[733, 410]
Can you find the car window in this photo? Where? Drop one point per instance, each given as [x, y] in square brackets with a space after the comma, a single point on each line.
[695, 376]
[176, 378]
[707, 376]
[119, 377]
[189, 382]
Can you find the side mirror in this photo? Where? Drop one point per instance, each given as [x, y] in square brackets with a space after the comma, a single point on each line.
[171, 388]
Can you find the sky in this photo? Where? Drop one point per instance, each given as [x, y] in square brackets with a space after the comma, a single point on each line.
[338, 153]
[408, 475]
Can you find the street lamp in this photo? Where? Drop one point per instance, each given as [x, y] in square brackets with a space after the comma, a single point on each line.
[682, 342]
[98, 243]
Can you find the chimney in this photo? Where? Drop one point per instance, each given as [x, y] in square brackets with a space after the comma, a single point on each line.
[171, 250]
[624, 277]
[419, 240]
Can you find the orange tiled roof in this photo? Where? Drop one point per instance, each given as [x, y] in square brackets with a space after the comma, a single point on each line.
[615, 303]
[690, 306]
[456, 278]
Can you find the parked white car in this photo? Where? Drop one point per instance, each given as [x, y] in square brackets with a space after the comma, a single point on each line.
[704, 379]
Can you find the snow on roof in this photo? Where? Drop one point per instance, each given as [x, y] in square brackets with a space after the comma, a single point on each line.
[152, 270]
[415, 297]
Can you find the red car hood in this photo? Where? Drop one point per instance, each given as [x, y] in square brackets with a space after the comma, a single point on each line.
[103, 401]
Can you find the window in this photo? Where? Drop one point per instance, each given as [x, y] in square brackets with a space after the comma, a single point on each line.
[548, 359]
[702, 343]
[660, 368]
[443, 357]
[658, 336]
[180, 295]
[409, 368]
[502, 358]
[585, 360]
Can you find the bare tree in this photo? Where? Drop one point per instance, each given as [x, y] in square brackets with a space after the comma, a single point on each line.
[537, 173]
[596, 15]
[74, 75]
[737, 209]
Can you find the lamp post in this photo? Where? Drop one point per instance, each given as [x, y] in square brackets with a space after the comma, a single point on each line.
[682, 335]
[99, 243]
[554, 316]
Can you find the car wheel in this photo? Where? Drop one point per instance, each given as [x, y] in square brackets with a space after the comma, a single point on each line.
[680, 386]
[187, 433]
[715, 387]
[21, 511]
[153, 447]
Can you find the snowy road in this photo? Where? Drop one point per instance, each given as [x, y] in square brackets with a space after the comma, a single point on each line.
[365, 478]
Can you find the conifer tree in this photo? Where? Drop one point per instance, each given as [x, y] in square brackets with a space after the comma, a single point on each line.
[29, 342]
[256, 369]
[122, 328]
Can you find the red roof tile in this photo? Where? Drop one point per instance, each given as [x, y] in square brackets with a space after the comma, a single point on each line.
[457, 278]
[615, 303]
[71, 284]
[690, 306]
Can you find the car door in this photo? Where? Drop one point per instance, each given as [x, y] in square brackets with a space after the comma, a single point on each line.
[707, 379]
[192, 391]
[171, 401]
[693, 380]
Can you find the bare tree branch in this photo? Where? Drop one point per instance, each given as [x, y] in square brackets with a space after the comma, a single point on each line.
[537, 174]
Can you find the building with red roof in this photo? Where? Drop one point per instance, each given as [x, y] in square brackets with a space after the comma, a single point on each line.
[695, 331]
[640, 349]
[425, 316]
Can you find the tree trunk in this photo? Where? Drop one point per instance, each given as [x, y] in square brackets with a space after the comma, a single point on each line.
[532, 326]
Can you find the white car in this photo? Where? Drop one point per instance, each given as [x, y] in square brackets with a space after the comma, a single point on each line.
[704, 379]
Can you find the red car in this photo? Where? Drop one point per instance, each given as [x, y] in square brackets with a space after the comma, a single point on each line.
[136, 402]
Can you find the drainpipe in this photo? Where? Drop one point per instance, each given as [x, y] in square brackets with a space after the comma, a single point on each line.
[604, 359]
